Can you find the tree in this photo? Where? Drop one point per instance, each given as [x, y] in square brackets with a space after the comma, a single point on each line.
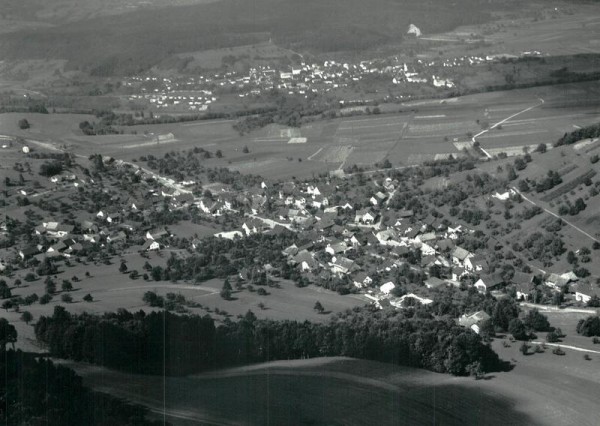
[24, 124]
[66, 285]
[5, 292]
[245, 150]
[536, 321]
[88, 298]
[219, 153]
[552, 337]
[524, 349]
[7, 304]
[123, 267]
[152, 299]
[67, 298]
[26, 317]
[8, 334]
[318, 307]
[225, 294]
[261, 292]
[541, 148]
[46, 298]
[511, 174]
[594, 302]
[517, 329]
[50, 286]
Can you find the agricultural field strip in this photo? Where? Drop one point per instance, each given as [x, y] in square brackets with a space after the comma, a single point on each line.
[310, 158]
[516, 133]
[367, 135]
[556, 216]
[504, 121]
[207, 123]
[368, 126]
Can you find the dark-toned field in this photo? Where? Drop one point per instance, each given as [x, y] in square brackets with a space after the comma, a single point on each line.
[543, 389]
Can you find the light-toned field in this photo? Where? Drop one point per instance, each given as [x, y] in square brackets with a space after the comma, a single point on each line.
[112, 290]
[425, 130]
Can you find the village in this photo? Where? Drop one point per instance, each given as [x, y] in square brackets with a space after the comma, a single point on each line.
[199, 93]
[345, 240]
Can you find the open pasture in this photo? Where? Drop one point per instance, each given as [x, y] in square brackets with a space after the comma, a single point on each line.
[113, 290]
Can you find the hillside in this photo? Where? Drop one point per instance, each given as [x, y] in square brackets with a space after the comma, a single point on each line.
[352, 392]
[132, 42]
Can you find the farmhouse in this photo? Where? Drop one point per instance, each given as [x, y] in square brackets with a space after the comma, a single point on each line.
[473, 321]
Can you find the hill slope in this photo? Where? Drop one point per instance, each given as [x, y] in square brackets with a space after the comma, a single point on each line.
[134, 41]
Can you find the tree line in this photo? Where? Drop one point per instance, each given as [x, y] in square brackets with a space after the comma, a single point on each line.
[36, 391]
[163, 342]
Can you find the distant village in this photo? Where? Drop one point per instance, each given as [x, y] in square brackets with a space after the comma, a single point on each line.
[198, 93]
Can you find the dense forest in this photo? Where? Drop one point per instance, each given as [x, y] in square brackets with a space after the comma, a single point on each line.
[161, 341]
[37, 392]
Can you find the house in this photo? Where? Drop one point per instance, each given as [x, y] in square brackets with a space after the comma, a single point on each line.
[445, 246]
[460, 255]
[150, 245]
[556, 281]
[422, 300]
[290, 251]
[158, 234]
[342, 265]
[476, 263]
[434, 282]
[488, 282]
[523, 290]
[458, 273]
[362, 280]
[387, 287]
[365, 216]
[584, 292]
[336, 248]
[427, 250]
[403, 214]
[306, 261]
[473, 321]
[29, 251]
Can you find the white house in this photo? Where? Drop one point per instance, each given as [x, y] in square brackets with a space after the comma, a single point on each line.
[387, 287]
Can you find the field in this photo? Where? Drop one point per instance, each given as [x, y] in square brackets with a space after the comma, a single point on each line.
[559, 28]
[542, 389]
[112, 290]
[422, 131]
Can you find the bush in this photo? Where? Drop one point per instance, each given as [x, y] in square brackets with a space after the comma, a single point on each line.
[558, 351]
[24, 124]
[552, 337]
[46, 298]
[88, 298]
[67, 298]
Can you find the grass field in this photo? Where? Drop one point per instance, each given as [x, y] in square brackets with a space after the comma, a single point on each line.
[542, 389]
[112, 290]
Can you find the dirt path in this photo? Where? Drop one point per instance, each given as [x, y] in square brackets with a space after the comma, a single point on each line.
[499, 123]
[556, 216]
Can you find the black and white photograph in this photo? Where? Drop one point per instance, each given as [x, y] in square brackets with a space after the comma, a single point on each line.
[299, 212]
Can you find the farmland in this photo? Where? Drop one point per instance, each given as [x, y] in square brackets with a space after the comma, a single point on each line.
[421, 131]
[359, 392]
